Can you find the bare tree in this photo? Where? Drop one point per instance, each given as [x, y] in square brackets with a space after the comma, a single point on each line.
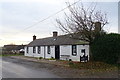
[83, 23]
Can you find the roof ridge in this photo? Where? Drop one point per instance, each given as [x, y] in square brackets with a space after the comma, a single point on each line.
[51, 37]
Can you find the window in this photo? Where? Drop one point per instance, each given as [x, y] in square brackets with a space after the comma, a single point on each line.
[39, 49]
[27, 49]
[34, 50]
[74, 50]
[82, 50]
[48, 49]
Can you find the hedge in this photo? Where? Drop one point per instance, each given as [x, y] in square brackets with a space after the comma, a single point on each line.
[106, 48]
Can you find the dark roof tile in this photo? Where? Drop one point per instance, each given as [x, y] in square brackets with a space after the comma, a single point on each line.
[59, 40]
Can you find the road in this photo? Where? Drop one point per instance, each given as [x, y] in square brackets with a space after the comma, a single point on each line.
[25, 68]
[0, 67]
[12, 68]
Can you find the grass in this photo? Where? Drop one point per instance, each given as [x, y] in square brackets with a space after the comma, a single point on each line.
[10, 55]
[97, 66]
[90, 65]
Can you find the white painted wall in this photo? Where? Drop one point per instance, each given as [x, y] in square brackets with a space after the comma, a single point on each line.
[52, 52]
[37, 54]
[77, 57]
[25, 53]
[67, 50]
[52, 48]
[30, 51]
[47, 55]
[42, 53]
[64, 50]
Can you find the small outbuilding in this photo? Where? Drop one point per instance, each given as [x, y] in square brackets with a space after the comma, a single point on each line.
[62, 47]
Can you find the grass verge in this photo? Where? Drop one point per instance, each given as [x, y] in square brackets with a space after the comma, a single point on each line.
[11, 55]
[96, 66]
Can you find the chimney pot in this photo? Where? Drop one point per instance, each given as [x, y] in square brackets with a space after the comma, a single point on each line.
[55, 34]
[34, 37]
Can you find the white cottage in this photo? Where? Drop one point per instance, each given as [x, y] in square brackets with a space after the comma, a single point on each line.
[59, 47]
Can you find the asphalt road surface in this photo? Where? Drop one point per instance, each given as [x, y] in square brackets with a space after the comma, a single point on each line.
[23, 68]
[0, 68]
[12, 68]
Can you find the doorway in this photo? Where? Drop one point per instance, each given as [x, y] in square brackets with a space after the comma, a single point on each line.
[57, 52]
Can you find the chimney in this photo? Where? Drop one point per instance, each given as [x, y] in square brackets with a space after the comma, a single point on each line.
[55, 33]
[34, 37]
[97, 26]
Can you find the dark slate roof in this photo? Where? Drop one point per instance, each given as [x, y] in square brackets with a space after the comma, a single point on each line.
[14, 47]
[59, 40]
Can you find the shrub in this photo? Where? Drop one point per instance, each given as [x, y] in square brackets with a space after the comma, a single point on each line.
[40, 57]
[71, 63]
[52, 58]
[106, 48]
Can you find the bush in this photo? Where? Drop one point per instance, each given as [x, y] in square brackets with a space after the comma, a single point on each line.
[91, 65]
[106, 48]
[40, 57]
[71, 63]
[52, 58]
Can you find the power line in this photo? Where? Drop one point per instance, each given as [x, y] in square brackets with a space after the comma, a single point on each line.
[49, 16]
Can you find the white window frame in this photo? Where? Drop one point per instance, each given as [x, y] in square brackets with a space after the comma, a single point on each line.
[48, 50]
[39, 49]
[74, 50]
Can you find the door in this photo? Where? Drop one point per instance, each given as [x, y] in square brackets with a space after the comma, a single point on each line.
[57, 52]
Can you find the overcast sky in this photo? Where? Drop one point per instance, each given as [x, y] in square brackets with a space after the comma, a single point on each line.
[17, 17]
